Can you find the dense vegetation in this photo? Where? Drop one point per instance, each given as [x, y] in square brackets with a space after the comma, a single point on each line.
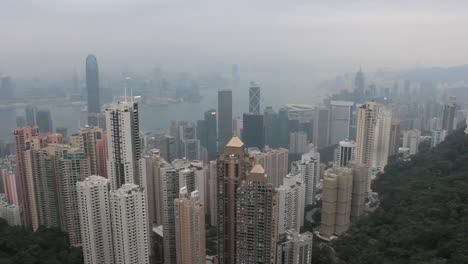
[423, 217]
[18, 246]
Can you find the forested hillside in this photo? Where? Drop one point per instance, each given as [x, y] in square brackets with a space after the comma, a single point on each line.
[46, 246]
[423, 217]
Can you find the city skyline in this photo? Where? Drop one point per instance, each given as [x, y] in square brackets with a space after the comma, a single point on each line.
[142, 132]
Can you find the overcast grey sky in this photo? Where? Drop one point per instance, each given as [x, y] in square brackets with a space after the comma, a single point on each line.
[41, 35]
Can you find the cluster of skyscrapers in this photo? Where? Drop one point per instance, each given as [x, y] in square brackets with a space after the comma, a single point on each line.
[129, 197]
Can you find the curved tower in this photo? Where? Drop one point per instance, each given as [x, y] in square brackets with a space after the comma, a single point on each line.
[92, 85]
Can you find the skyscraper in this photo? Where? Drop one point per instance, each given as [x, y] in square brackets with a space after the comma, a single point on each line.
[382, 139]
[153, 162]
[295, 248]
[340, 121]
[254, 98]
[394, 137]
[438, 136]
[212, 192]
[320, 134]
[123, 143]
[291, 203]
[86, 139]
[344, 153]
[271, 121]
[170, 192]
[190, 228]
[411, 140]
[44, 120]
[359, 191]
[211, 133]
[224, 118]
[448, 116]
[298, 143]
[373, 136]
[359, 86]
[22, 135]
[309, 168]
[9, 184]
[92, 88]
[189, 145]
[129, 225]
[233, 166]
[336, 201]
[275, 162]
[101, 155]
[30, 114]
[253, 133]
[256, 219]
[73, 166]
[95, 220]
[41, 183]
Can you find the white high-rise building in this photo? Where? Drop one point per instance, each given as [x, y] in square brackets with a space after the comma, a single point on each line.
[373, 137]
[296, 248]
[309, 168]
[411, 140]
[344, 153]
[291, 203]
[340, 120]
[129, 225]
[95, 220]
[123, 143]
[437, 137]
[382, 138]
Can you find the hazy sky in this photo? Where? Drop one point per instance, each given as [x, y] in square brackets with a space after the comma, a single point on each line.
[43, 35]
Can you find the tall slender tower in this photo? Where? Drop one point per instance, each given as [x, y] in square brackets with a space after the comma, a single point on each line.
[232, 168]
[101, 155]
[92, 87]
[291, 203]
[170, 192]
[190, 228]
[254, 98]
[253, 132]
[44, 120]
[256, 219]
[129, 225]
[95, 220]
[72, 167]
[22, 135]
[123, 143]
[224, 118]
[340, 121]
[321, 127]
[309, 167]
[86, 139]
[448, 116]
[336, 201]
[211, 133]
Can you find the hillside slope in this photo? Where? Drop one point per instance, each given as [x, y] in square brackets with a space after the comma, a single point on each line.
[423, 216]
